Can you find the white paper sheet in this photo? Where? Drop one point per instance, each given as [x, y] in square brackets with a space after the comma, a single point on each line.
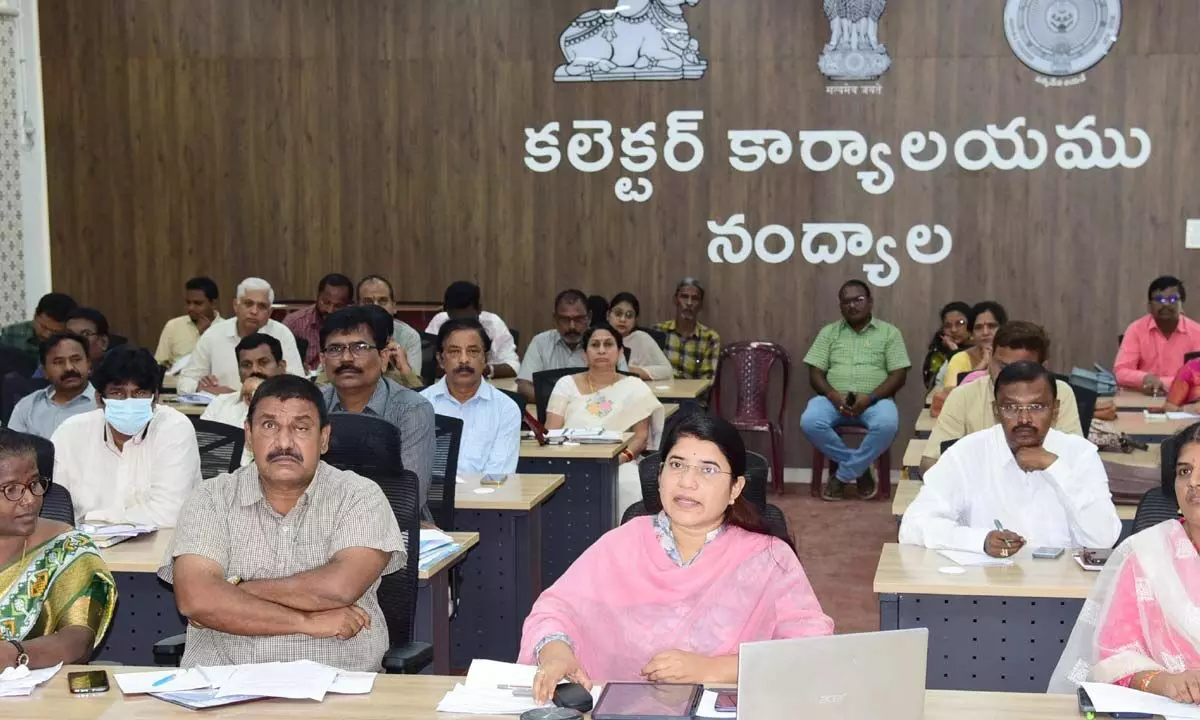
[302, 680]
[479, 695]
[972, 559]
[1114, 698]
[708, 707]
[1182, 416]
[196, 398]
[16, 682]
[143, 682]
[353, 683]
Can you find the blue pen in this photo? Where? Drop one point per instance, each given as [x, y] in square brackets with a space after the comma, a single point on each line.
[165, 680]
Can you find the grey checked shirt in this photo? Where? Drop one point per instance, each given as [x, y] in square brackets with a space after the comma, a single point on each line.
[410, 412]
[38, 414]
[228, 520]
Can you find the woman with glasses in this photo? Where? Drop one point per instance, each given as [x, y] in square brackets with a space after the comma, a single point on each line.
[56, 595]
[1138, 626]
[670, 598]
[602, 398]
[983, 322]
[955, 335]
[646, 359]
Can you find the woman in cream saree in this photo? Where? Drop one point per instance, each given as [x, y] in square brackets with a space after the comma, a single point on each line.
[1140, 626]
[601, 398]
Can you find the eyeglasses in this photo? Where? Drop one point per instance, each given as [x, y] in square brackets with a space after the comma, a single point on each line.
[1166, 299]
[678, 468]
[13, 492]
[124, 394]
[474, 353]
[573, 319]
[1012, 411]
[624, 314]
[357, 349]
[88, 333]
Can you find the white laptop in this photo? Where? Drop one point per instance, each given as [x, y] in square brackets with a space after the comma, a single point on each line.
[866, 676]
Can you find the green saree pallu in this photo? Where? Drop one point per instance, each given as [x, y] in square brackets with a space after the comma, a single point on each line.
[60, 583]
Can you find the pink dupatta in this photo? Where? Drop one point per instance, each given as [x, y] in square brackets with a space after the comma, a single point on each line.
[624, 601]
[1143, 613]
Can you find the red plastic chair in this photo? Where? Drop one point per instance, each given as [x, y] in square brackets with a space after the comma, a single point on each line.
[752, 362]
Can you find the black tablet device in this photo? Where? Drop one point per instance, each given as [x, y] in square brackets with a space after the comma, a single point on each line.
[647, 701]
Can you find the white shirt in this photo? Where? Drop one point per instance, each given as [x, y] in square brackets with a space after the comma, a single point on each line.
[215, 355]
[228, 409]
[491, 434]
[146, 482]
[504, 348]
[978, 481]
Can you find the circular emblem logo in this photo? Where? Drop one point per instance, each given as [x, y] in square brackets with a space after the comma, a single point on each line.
[1061, 37]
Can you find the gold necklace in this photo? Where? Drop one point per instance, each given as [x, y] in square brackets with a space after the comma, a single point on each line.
[591, 386]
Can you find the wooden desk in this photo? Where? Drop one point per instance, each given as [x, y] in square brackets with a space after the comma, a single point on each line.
[906, 491]
[503, 575]
[146, 611]
[584, 508]
[998, 628]
[414, 697]
[1133, 423]
[1133, 400]
[1148, 458]
[663, 389]
[170, 382]
[925, 423]
[432, 623]
[913, 453]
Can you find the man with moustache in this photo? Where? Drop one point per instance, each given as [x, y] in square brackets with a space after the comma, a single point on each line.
[64, 360]
[353, 341]
[259, 356]
[558, 348]
[1016, 483]
[1154, 345]
[491, 434]
[692, 348]
[281, 560]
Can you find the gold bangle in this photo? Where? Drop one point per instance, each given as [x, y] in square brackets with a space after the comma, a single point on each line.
[1148, 678]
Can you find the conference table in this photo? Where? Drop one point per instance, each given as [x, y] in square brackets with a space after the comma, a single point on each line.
[1134, 400]
[990, 628]
[146, 611]
[673, 390]
[1134, 423]
[584, 507]
[503, 574]
[414, 697]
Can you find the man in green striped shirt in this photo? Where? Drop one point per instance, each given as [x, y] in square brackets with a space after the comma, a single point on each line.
[856, 365]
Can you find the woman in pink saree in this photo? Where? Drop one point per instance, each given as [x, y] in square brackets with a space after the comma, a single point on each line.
[670, 598]
[1140, 626]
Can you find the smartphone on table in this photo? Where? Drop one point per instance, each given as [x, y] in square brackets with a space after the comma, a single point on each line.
[726, 701]
[87, 682]
[1047, 553]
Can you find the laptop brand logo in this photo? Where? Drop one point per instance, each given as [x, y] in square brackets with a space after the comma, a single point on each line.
[831, 699]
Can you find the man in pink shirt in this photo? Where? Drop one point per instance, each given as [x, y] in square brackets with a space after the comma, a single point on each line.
[1154, 345]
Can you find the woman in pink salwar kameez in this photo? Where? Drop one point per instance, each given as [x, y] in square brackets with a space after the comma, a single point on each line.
[670, 598]
[1140, 626]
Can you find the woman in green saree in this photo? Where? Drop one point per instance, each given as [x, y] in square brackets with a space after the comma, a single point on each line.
[56, 595]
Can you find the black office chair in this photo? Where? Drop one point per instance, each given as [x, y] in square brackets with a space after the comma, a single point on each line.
[516, 335]
[447, 437]
[947, 444]
[659, 336]
[302, 348]
[364, 444]
[220, 445]
[543, 386]
[56, 505]
[14, 387]
[429, 366]
[1085, 402]
[1188, 357]
[1153, 508]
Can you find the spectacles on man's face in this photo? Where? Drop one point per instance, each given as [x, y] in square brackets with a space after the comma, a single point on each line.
[356, 349]
[1012, 410]
[13, 492]
[1167, 299]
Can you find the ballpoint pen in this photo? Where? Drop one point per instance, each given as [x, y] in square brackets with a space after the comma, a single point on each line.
[164, 680]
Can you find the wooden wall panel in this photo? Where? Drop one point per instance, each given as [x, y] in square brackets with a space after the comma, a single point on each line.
[288, 138]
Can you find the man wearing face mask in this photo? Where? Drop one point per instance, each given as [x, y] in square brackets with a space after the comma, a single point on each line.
[353, 342]
[1016, 483]
[491, 434]
[133, 460]
[65, 364]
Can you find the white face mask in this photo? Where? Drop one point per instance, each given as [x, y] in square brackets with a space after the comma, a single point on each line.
[130, 416]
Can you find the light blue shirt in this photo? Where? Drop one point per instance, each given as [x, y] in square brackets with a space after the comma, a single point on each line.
[38, 414]
[491, 435]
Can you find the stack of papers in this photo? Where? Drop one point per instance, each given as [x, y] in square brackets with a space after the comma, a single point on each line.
[435, 547]
[196, 398]
[1182, 416]
[480, 694]
[1109, 699]
[20, 681]
[108, 535]
[585, 436]
[973, 559]
[226, 684]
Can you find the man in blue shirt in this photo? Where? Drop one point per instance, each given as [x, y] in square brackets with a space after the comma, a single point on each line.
[491, 437]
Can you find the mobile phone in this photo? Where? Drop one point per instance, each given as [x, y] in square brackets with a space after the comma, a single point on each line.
[727, 701]
[1095, 558]
[493, 479]
[1047, 553]
[91, 681]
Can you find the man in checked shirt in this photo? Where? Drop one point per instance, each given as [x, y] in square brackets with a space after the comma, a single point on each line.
[692, 348]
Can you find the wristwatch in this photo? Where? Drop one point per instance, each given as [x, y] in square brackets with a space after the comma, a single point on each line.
[22, 656]
[871, 399]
